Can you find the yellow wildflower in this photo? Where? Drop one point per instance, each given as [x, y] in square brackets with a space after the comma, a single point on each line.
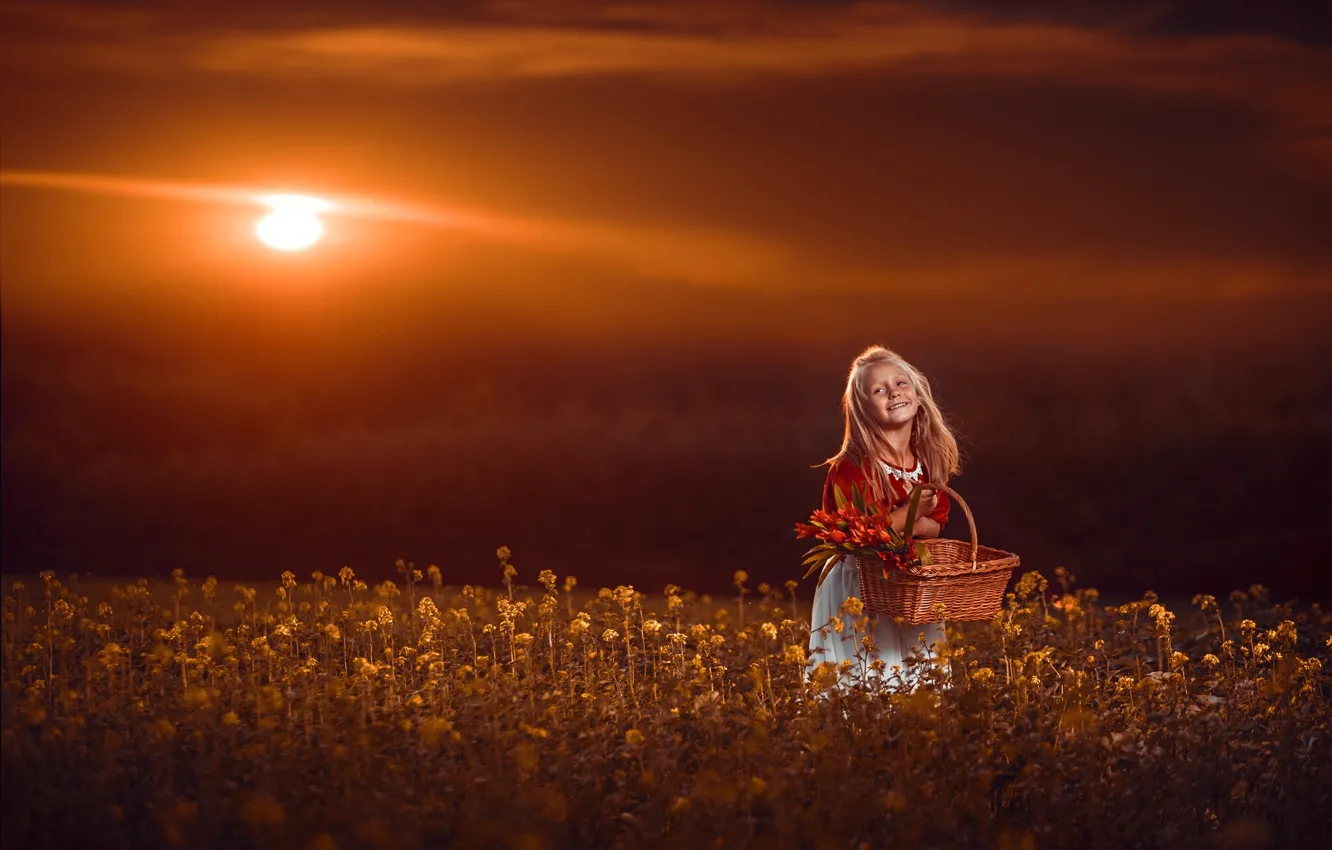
[624, 595]
[1285, 633]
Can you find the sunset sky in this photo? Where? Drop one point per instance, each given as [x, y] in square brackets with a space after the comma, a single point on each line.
[544, 206]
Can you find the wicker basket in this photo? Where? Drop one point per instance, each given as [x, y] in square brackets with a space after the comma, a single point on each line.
[967, 579]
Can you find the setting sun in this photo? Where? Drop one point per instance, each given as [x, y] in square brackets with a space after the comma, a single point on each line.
[292, 225]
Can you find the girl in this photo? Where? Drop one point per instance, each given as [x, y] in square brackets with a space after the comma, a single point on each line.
[895, 441]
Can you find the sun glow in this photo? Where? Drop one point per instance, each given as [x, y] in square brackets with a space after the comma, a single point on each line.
[293, 224]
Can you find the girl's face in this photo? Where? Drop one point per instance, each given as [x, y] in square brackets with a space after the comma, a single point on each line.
[892, 396]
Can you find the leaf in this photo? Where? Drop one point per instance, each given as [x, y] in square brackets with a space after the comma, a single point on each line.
[822, 565]
[825, 565]
[814, 555]
[839, 497]
[858, 498]
[923, 552]
[912, 507]
[826, 569]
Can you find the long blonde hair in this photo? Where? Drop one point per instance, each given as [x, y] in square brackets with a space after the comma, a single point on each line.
[932, 441]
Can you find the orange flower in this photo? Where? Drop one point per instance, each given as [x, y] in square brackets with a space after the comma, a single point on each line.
[868, 532]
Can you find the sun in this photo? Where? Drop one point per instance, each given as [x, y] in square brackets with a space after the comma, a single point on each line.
[289, 230]
[292, 225]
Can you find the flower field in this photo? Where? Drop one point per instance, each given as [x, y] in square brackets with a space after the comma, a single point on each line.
[329, 713]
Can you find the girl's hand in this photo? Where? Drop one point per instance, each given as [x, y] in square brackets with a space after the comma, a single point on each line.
[929, 499]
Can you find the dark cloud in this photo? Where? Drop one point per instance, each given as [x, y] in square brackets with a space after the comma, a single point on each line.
[1291, 19]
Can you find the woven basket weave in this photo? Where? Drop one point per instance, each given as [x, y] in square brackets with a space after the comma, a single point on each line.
[966, 579]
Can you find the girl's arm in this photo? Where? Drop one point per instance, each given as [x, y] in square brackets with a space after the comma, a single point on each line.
[924, 527]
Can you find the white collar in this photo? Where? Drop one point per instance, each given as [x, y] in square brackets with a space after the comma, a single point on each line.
[911, 477]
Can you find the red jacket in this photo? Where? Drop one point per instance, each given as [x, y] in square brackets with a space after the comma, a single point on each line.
[844, 474]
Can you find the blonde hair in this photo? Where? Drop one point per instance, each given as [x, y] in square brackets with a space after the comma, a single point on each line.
[932, 441]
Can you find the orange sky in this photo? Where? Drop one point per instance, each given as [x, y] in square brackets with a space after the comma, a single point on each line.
[682, 184]
[858, 147]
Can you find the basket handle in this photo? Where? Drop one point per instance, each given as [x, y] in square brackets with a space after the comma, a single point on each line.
[971, 520]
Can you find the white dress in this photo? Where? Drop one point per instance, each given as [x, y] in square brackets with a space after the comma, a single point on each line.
[892, 641]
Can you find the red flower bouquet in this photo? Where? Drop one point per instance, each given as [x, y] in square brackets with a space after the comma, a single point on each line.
[859, 528]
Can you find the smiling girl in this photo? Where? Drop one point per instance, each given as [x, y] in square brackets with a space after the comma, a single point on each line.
[895, 441]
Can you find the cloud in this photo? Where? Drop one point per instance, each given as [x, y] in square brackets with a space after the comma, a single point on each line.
[134, 187]
[1290, 83]
[1007, 191]
[741, 259]
[694, 254]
